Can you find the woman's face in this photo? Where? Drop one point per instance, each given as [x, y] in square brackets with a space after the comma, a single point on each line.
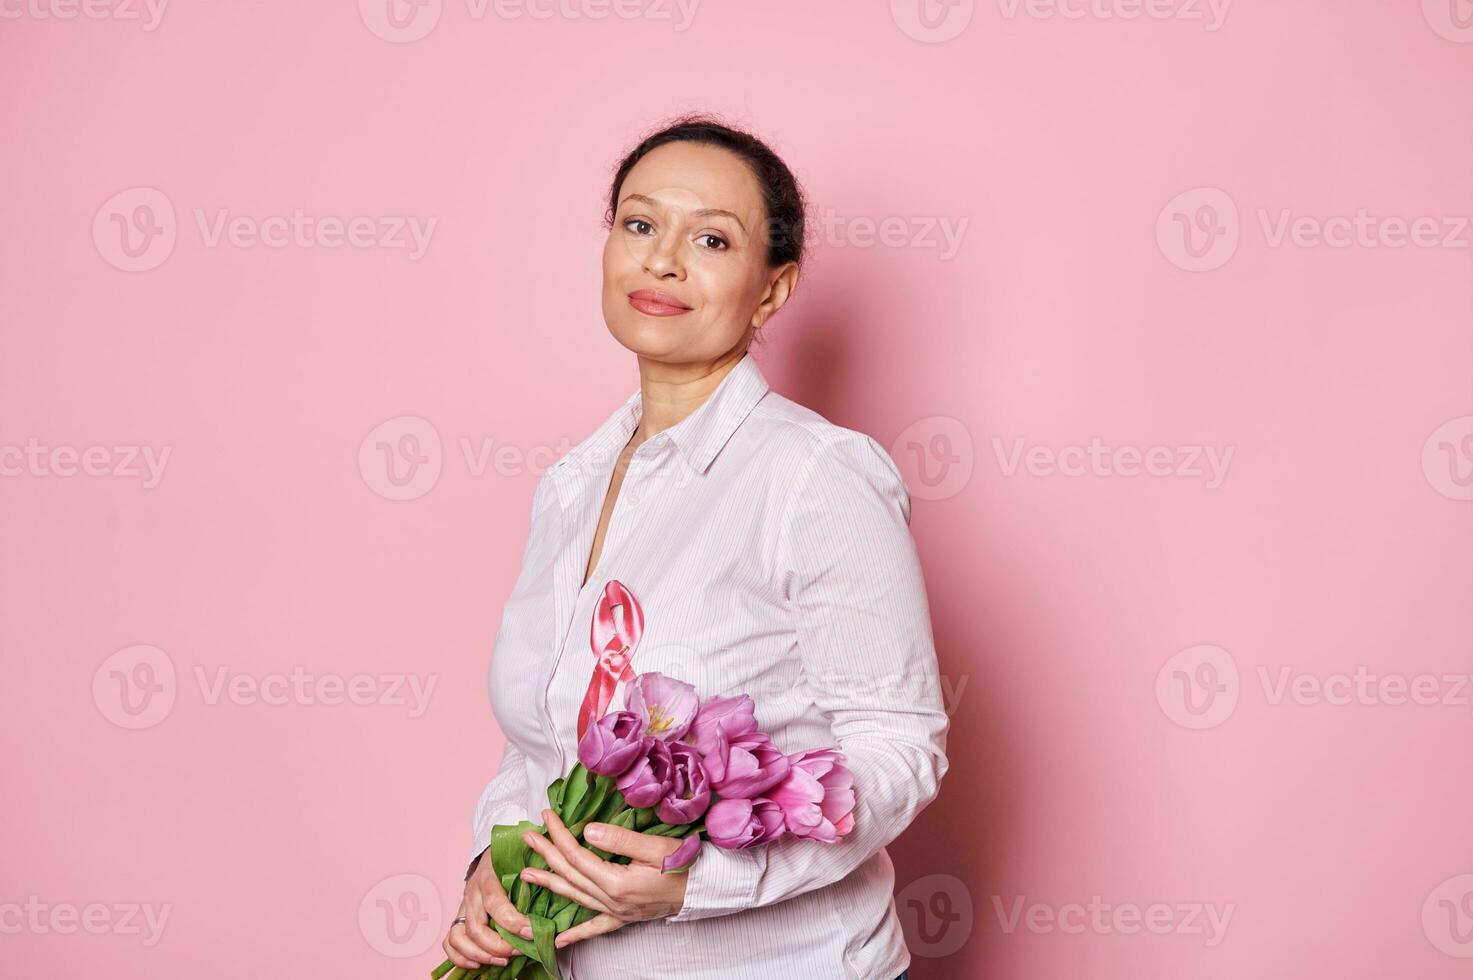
[685, 264]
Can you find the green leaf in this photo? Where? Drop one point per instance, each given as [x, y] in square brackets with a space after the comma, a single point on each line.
[524, 945]
[508, 853]
[543, 933]
[592, 802]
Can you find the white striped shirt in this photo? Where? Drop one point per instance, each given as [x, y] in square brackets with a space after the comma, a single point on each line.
[771, 552]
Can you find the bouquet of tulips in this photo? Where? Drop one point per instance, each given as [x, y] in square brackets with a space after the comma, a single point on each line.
[673, 765]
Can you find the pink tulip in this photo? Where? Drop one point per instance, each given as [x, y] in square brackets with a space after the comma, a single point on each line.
[612, 743]
[744, 766]
[647, 781]
[690, 789]
[734, 824]
[734, 716]
[683, 856]
[817, 798]
[667, 705]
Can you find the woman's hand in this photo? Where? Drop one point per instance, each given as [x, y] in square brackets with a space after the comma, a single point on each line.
[471, 943]
[620, 893]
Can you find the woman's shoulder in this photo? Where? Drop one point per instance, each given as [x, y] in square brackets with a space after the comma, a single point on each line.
[815, 449]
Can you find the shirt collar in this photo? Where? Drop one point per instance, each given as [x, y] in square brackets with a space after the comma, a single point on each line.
[699, 437]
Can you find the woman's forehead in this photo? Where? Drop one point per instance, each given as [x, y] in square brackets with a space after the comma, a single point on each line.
[689, 175]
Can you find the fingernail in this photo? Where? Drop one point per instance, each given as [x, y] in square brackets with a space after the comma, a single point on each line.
[594, 831]
[560, 942]
[526, 932]
[527, 836]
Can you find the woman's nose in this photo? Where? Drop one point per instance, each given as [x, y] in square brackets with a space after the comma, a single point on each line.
[663, 258]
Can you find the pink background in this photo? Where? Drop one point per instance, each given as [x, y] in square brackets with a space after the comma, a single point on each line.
[295, 838]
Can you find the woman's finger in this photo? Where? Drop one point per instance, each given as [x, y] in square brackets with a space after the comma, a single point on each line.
[478, 932]
[495, 904]
[556, 883]
[595, 871]
[596, 926]
[460, 941]
[559, 865]
[456, 956]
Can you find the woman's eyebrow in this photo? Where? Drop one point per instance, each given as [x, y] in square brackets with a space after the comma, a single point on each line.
[702, 213]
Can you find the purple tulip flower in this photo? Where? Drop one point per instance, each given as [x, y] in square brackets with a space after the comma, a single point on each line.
[647, 781]
[683, 856]
[690, 788]
[612, 743]
[734, 824]
[817, 798]
[735, 716]
[745, 766]
[666, 705]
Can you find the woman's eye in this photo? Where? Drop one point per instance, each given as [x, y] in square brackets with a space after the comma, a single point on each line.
[721, 243]
[640, 226]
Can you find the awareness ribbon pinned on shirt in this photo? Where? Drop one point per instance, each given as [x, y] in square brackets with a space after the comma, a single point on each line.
[618, 623]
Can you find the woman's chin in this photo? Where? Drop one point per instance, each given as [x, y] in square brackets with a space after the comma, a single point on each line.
[649, 336]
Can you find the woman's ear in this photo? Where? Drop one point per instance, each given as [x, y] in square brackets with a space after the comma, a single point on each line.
[781, 284]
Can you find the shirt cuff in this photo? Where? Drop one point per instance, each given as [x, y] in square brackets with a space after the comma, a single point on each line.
[722, 881]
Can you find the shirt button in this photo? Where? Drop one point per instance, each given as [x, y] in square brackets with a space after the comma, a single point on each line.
[634, 500]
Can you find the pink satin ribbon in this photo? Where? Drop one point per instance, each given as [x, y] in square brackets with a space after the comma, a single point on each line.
[618, 623]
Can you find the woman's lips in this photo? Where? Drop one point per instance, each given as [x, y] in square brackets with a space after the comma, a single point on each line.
[652, 302]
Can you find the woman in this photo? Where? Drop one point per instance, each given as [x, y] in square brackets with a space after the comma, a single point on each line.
[771, 553]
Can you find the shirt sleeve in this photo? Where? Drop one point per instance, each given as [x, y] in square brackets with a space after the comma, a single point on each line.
[502, 799]
[855, 587]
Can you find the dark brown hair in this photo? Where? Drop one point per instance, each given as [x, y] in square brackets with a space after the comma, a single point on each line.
[781, 194]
